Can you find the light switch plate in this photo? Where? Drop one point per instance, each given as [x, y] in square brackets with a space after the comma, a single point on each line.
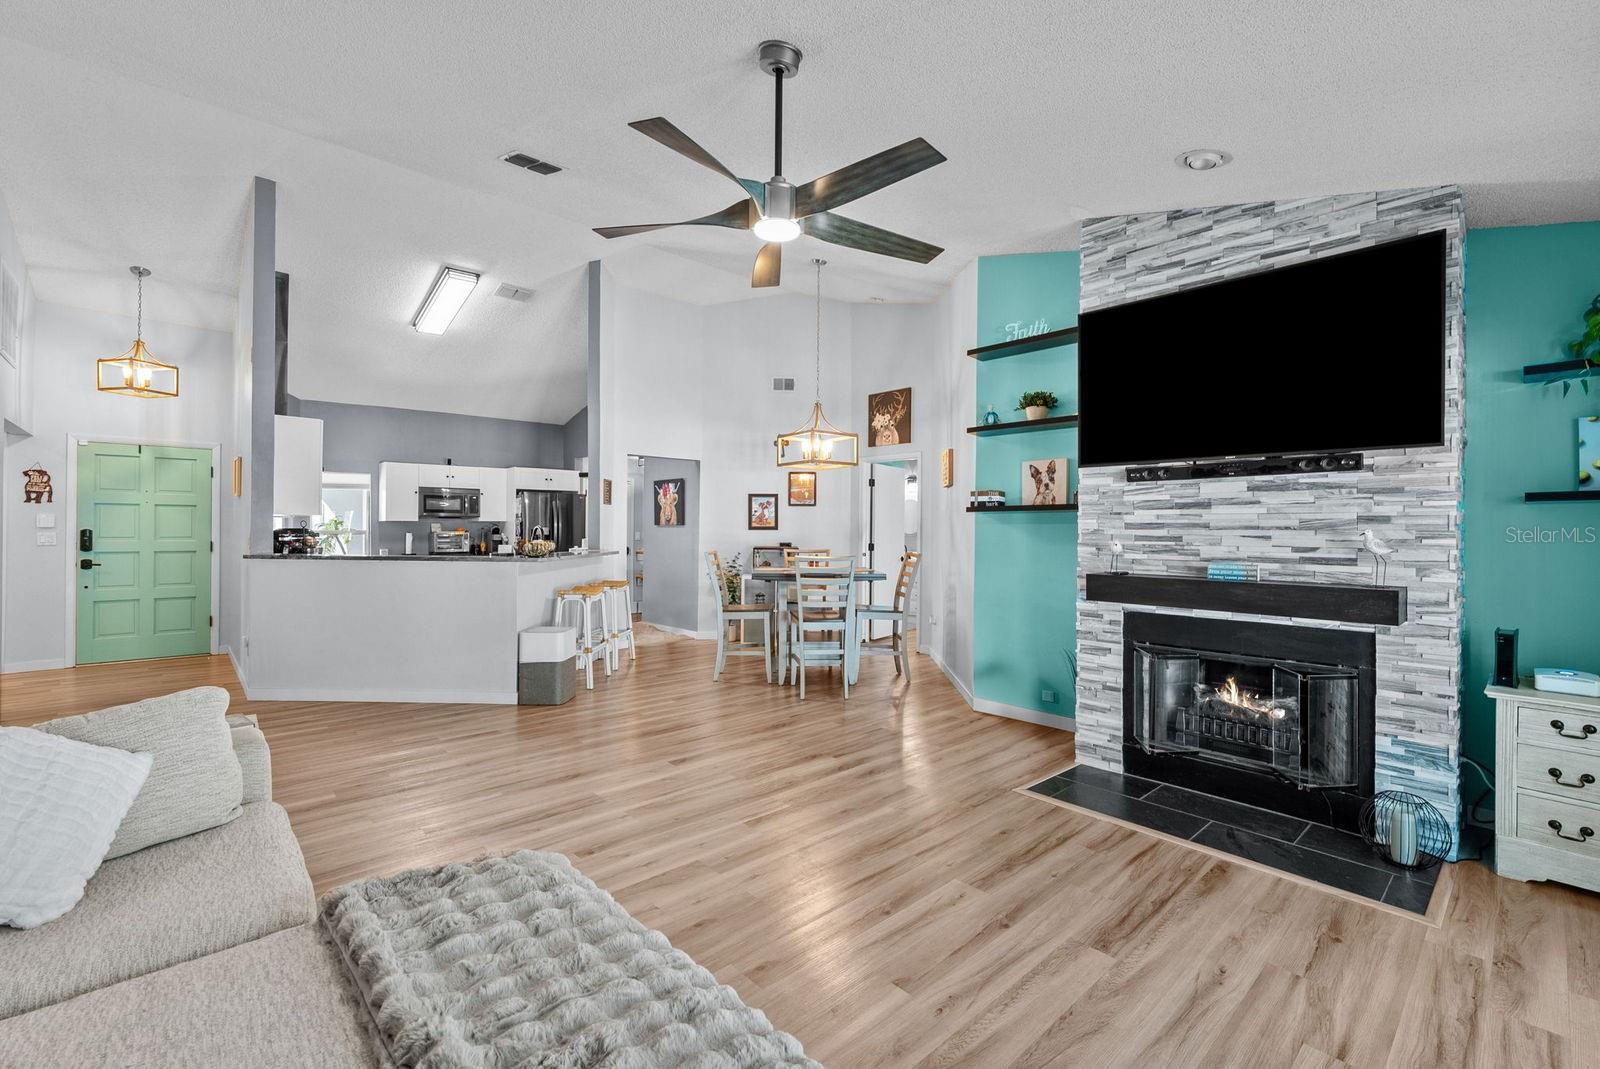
[44, 519]
[46, 538]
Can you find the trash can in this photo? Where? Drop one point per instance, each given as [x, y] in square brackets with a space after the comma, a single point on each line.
[547, 670]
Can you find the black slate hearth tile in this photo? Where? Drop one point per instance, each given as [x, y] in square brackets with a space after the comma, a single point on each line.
[1132, 810]
[1323, 868]
[1048, 787]
[1224, 811]
[1346, 845]
[1412, 891]
[1115, 782]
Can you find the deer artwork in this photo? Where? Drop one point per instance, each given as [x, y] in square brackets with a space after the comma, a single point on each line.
[667, 505]
[886, 417]
[37, 490]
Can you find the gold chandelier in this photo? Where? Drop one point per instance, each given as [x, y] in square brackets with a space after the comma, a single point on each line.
[818, 445]
[136, 373]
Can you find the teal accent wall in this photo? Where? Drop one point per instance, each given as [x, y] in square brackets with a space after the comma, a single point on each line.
[1532, 567]
[1025, 572]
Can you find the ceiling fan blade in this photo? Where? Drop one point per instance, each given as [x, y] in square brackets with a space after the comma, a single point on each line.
[662, 131]
[865, 176]
[838, 230]
[739, 216]
[768, 262]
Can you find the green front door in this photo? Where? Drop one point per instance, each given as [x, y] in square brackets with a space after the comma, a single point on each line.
[144, 582]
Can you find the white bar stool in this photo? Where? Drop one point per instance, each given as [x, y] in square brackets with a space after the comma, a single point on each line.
[619, 606]
[593, 632]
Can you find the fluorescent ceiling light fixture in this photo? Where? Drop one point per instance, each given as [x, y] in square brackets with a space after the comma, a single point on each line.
[450, 291]
[776, 228]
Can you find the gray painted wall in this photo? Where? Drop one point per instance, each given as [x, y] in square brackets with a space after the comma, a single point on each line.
[358, 438]
[575, 435]
[672, 571]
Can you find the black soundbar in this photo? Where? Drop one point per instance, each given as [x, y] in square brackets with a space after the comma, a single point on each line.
[1227, 469]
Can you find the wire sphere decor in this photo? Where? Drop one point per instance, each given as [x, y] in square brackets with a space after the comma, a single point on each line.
[1406, 830]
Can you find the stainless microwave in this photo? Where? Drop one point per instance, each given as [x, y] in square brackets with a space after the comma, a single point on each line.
[447, 503]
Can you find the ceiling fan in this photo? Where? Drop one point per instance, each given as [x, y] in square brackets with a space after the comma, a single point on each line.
[778, 211]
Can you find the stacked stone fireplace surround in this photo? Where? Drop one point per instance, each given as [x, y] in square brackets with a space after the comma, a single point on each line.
[1299, 528]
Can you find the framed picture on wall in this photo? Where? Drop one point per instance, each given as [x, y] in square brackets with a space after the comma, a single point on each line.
[1045, 482]
[671, 502]
[763, 510]
[889, 417]
[802, 489]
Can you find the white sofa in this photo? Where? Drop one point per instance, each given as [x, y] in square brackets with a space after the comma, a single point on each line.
[200, 951]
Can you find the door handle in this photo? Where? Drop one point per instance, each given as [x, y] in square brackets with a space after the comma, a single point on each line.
[1583, 835]
[1583, 780]
[1561, 729]
[86, 564]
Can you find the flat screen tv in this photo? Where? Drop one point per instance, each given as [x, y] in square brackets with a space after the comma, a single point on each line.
[1342, 352]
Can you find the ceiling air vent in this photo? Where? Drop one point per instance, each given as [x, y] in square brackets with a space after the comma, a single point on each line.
[514, 293]
[783, 385]
[528, 163]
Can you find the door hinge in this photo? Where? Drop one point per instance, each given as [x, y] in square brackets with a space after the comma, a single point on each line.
[213, 471]
[872, 482]
[871, 547]
[211, 621]
[213, 547]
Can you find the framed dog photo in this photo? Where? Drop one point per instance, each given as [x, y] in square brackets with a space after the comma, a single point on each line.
[802, 489]
[763, 509]
[670, 503]
[1045, 482]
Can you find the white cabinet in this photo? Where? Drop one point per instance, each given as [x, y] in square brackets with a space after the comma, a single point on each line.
[1547, 786]
[449, 476]
[494, 504]
[297, 466]
[543, 479]
[397, 491]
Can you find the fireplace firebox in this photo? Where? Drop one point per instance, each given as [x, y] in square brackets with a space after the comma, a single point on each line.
[1273, 715]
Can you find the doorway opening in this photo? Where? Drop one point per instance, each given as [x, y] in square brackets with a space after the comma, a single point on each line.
[892, 523]
[664, 542]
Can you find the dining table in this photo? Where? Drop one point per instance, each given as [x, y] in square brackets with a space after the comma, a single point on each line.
[782, 581]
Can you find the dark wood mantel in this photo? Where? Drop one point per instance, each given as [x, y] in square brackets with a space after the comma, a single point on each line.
[1345, 603]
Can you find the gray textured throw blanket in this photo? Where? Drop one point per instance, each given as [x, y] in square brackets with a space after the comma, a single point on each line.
[521, 962]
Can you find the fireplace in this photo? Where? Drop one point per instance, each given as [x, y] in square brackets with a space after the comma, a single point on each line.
[1273, 715]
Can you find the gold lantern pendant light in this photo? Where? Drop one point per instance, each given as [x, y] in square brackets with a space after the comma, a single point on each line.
[136, 373]
[818, 445]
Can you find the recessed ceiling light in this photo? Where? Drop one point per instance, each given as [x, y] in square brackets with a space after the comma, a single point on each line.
[1203, 159]
[450, 291]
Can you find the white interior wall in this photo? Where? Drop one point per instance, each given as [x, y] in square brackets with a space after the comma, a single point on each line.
[16, 398]
[66, 343]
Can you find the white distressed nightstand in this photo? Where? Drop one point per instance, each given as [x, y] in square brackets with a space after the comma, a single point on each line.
[1547, 786]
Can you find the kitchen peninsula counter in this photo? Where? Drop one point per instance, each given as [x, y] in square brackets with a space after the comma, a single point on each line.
[343, 628]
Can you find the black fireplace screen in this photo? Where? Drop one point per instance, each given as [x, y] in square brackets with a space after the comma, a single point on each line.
[1299, 720]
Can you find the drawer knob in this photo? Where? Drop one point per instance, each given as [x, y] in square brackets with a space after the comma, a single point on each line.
[1583, 836]
[1583, 780]
[1561, 729]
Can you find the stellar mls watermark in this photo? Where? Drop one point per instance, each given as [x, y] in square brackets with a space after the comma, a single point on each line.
[1550, 536]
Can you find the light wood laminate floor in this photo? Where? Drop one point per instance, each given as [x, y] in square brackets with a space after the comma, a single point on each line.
[865, 874]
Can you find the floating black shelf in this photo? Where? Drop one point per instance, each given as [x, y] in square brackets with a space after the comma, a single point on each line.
[1561, 495]
[1020, 425]
[1349, 604]
[1047, 340]
[1023, 508]
[1554, 372]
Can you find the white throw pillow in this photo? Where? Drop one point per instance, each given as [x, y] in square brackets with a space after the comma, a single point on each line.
[60, 804]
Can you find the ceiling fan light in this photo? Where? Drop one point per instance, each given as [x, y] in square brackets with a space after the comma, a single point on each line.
[776, 228]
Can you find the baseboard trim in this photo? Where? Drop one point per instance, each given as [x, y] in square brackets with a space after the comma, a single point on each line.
[421, 697]
[1031, 716]
[34, 666]
[955, 681]
[704, 636]
[238, 669]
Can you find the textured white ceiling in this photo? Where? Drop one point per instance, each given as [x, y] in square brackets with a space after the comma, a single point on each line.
[129, 132]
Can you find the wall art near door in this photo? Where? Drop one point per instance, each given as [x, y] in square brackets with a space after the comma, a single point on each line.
[37, 490]
[1045, 482]
[802, 489]
[1588, 452]
[670, 503]
[889, 417]
[763, 509]
[947, 467]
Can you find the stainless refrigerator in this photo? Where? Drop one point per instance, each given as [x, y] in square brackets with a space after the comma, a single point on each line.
[556, 515]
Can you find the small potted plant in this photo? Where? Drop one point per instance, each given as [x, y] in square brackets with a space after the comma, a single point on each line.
[1037, 403]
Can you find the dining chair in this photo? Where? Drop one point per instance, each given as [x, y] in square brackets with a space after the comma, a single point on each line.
[821, 618]
[729, 613]
[790, 554]
[896, 615]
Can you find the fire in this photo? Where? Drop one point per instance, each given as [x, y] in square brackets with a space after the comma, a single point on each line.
[1234, 695]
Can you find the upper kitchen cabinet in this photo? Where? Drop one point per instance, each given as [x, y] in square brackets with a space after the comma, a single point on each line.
[397, 491]
[297, 466]
[544, 479]
[495, 493]
[449, 476]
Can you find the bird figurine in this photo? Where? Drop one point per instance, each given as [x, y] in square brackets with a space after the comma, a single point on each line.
[1380, 551]
[1116, 552]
